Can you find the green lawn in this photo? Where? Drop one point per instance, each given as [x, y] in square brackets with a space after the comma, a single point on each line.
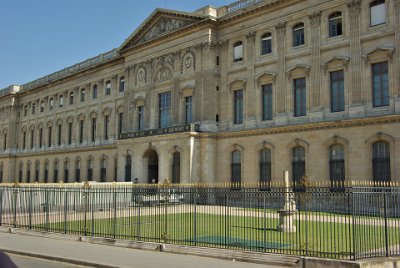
[325, 239]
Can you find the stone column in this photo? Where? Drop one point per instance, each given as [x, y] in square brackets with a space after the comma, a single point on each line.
[355, 52]
[281, 109]
[315, 89]
[197, 101]
[396, 65]
[251, 87]
[175, 96]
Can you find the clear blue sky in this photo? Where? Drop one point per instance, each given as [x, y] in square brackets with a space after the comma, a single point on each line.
[39, 37]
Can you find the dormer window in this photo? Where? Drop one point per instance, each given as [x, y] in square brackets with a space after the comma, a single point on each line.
[238, 51]
[378, 12]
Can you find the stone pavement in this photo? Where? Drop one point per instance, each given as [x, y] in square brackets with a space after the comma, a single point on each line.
[82, 253]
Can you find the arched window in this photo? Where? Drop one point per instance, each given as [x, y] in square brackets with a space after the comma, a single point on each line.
[55, 171]
[266, 44]
[236, 167]
[381, 161]
[298, 35]
[298, 163]
[90, 170]
[66, 171]
[238, 51]
[115, 169]
[51, 104]
[37, 168]
[122, 84]
[103, 170]
[78, 170]
[21, 170]
[265, 166]
[46, 171]
[336, 163]
[33, 108]
[377, 12]
[335, 24]
[42, 106]
[108, 88]
[128, 168]
[176, 167]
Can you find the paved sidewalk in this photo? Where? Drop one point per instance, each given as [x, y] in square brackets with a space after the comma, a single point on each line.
[106, 256]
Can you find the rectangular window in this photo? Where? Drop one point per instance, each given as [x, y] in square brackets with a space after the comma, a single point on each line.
[5, 142]
[238, 107]
[49, 137]
[94, 92]
[300, 97]
[238, 52]
[188, 110]
[108, 88]
[81, 131]
[106, 126]
[266, 44]
[71, 98]
[83, 95]
[122, 85]
[69, 133]
[51, 104]
[267, 102]
[32, 138]
[164, 109]
[337, 91]
[33, 108]
[140, 118]
[120, 122]
[380, 84]
[93, 129]
[59, 135]
[24, 140]
[378, 12]
[40, 137]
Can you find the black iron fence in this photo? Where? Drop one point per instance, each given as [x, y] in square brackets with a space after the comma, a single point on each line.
[350, 222]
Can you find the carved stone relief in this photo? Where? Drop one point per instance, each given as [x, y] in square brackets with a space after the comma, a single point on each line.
[188, 63]
[141, 77]
[163, 74]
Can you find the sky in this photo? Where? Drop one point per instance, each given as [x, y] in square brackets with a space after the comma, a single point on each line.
[39, 37]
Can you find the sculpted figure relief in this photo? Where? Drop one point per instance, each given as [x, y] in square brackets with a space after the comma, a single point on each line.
[164, 25]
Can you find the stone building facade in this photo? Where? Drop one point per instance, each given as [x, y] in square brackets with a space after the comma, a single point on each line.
[241, 92]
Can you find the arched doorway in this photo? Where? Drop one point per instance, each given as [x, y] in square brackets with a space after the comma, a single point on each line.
[150, 164]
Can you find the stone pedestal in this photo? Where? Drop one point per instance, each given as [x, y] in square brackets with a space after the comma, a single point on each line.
[289, 209]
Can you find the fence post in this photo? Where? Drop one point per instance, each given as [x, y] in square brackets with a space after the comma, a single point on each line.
[115, 210]
[15, 200]
[46, 208]
[85, 199]
[1, 205]
[386, 222]
[30, 207]
[65, 209]
[195, 216]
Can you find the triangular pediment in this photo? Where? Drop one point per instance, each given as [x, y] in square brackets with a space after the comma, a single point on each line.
[160, 23]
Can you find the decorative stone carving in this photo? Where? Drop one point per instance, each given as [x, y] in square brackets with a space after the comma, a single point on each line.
[251, 36]
[315, 18]
[354, 6]
[163, 26]
[188, 62]
[141, 77]
[163, 74]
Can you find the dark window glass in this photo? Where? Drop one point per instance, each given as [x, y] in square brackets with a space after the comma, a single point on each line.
[298, 163]
[37, 165]
[335, 24]
[238, 51]
[71, 98]
[265, 167]
[140, 118]
[238, 107]
[42, 107]
[49, 137]
[380, 84]
[24, 140]
[33, 108]
[83, 95]
[337, 91]
[267, 102]
[266, 44]
[69, 133]
[93, 129]
[55, 172]
[121, 84]
[81, 125]
[90, 170]
[28, 173]
[66, 173]
[32, 138]
[188, 110]
[164, 109]
[78, 171]
[59, 135]
[103, 171]
[298, 35]
[61, 101]
[176, 167]
[5, 142]
[236, 168]
[106, 126]
[108, 88]
[94, 92]
[120, 122]
[128, 168]
[336, 163]
[381, 161]
[40, 137]
[300, 97]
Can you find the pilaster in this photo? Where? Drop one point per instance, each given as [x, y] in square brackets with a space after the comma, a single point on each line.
[281, 94]
[250, 112]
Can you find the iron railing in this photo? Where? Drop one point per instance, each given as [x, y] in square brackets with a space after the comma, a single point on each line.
[346, 222]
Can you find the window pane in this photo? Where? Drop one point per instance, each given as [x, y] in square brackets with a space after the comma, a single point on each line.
[300, 97]
[164, 109]
[378, 14]
[380, 84]
[267, 102]
[188, 109]
[337, 91]
[238, 52]
[238, 107]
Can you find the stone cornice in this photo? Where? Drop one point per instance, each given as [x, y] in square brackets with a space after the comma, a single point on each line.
[391, 119]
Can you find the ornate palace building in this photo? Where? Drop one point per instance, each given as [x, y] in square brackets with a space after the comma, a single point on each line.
[241, 92]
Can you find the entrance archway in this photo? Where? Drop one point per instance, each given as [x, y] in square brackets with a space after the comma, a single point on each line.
[150, 164]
